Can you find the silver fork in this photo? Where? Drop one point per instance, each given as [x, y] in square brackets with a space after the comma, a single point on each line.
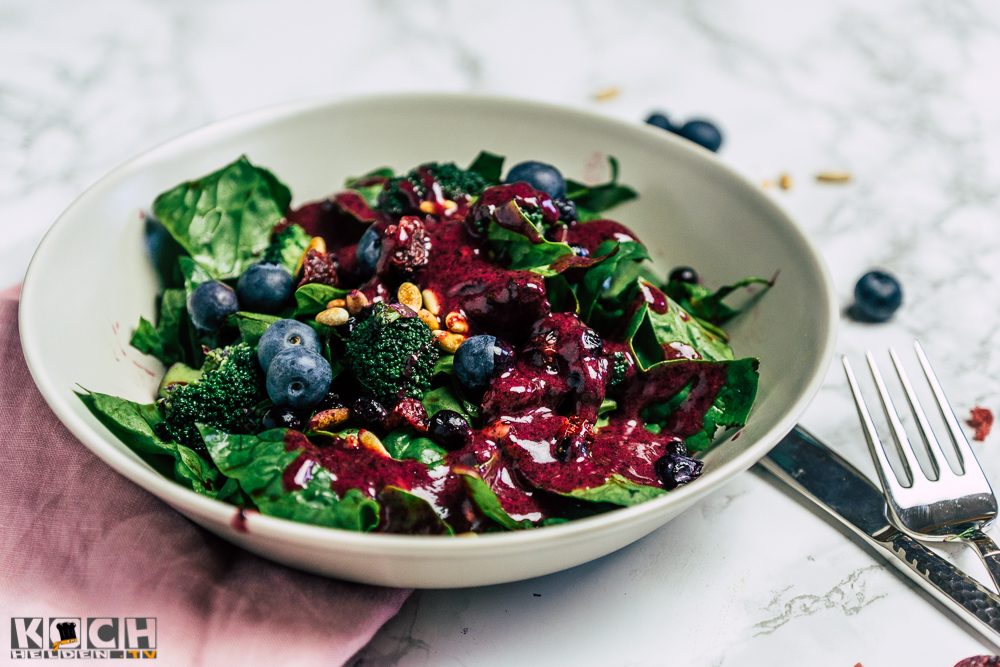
[953, 506]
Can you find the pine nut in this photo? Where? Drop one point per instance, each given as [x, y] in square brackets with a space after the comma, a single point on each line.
[370, 441]
[429, 320]
[355, 301]
[333, 317]
[456, 323]
[409, 295]
[431, 302]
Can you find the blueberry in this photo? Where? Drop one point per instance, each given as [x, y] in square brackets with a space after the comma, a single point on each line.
[567, 209]
[298, 378]
[369, 412]
[329, 402]
[684, 274]
[449, 429]
[579, 250]
[660, 120]
[282, 417]
[876, 297]
[264, 288]
[479, 359]
[676, 469]
[369, 249]
[703, 133]
[285, 335]
[540, 176]
[210, 304]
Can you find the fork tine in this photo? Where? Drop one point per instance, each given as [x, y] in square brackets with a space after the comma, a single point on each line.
[890, 484]
[966, 458]
[938, 460]
[903, 447]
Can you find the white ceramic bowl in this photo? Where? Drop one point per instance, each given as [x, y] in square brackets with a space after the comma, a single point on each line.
[90, 281]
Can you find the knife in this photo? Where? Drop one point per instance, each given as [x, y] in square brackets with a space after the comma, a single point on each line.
[822, 476]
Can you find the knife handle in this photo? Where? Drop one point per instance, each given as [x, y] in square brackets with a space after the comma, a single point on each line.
[948, 581]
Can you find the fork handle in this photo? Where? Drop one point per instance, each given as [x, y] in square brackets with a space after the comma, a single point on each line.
[988, 552]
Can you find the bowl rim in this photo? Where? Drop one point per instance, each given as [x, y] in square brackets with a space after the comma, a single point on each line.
[188, 501]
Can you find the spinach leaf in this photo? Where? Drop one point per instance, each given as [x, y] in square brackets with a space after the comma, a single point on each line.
[405, 444]
[617, 491]
[648, 331]
[194, 274]
[561, 295]
[133, 424]
[370, 185]
[224, 220]
[487, 502]
[732, 404]
[524, 255]
[591, 200]
[488, 165]
[445, 364]
[311, 299]
[407, 514]
[165, 340]
[252, 325]
[258, 461]
[287, 248]
[445, 398]
[608, 281]
[707, 305]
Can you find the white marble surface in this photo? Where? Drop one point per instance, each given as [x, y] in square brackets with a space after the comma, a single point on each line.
[903, 94]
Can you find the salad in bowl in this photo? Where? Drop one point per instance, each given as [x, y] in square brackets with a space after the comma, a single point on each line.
[443, 351]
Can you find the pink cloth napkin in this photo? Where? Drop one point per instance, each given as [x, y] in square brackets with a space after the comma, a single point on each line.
[78, 540]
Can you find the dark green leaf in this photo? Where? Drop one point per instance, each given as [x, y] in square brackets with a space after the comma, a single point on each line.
[407, 514]
[147, 339]
[312, 298]
[258, 461]
[561, 295]
[253, 325]
[370, 185]
[705, 304]
[445, 364]
[489, 166]
[488, 503]
[287, 248]
[444, 398]
[133, 423]
[648, 331]
[404, 444]
[224, 220]
[609, 280]
[591, 200]
[521, 254]
[194, 274]
[618, 491]
[732, 404]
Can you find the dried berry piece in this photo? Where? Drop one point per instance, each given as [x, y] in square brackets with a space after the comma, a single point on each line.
[405, 246]
[319, 267]
[408, 411]
[980, 419]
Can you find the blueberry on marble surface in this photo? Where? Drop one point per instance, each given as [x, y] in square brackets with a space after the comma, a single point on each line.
[660, 120]
[264, 288]
[285, 335]
[703, 133]
[210, 304]
[877, 295]
[298, 378]
[540, 176]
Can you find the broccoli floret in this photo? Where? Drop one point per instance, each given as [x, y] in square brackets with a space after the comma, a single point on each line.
[392, 356]
[453, 179]
[224, 398]
[287, 246]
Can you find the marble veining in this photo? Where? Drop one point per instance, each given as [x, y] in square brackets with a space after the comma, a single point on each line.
[903, 94]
